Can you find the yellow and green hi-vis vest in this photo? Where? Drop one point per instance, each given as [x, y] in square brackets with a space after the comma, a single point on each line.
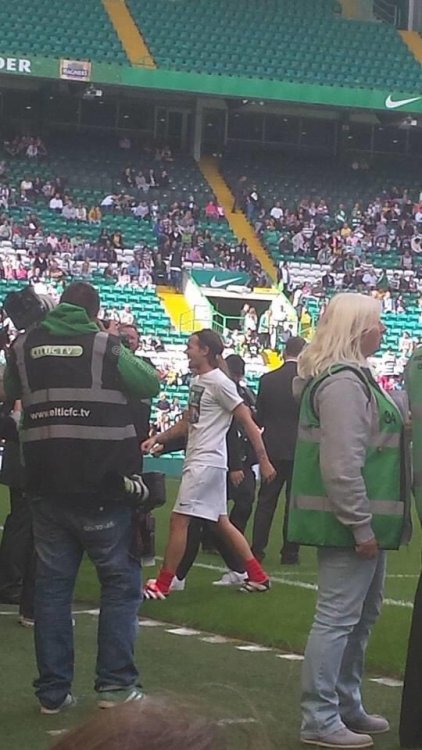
[311, 518]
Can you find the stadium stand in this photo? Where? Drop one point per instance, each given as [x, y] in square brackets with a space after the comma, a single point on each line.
[255, 40]
[372, 211]
[95, 173]
[84, 32]
[402, 316]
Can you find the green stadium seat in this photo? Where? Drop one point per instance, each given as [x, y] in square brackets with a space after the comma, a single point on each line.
[82, 31]
[303, 41]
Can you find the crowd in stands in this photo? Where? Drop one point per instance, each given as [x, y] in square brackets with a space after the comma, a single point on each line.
[183, 230]
[395, 294]
[338, 236]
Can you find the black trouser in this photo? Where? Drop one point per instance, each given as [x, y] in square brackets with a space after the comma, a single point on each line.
[265, 340]
[243, 497]
[196, 530]
[16, 545]
[205, 531]
[267, 503]
[410, 729]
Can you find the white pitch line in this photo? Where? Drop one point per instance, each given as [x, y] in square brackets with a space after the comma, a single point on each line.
[387, 681]
[183, 631]
[216, 639]
[254, 649]
[301, 584]
[230, 722]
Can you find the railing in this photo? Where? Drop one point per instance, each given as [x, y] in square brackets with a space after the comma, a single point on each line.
[387, 10]
[190, 319]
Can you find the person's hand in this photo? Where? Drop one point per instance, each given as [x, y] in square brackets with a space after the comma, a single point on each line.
[367, 550]
[268, 472]
[151, 446]
[236, 477]
[113, 327]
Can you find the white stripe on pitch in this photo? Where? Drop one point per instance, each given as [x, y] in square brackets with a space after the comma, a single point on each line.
[302, 584]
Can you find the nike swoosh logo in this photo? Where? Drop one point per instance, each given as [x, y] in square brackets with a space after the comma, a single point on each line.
[215, 284]
[394, 104]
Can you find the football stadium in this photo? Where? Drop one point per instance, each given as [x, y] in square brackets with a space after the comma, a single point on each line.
[210, 287]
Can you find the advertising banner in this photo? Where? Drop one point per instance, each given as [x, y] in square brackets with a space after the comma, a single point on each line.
[219, 279]
[75, 70]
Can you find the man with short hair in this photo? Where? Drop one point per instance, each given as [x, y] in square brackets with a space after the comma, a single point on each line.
[74, 380]
[277, 412]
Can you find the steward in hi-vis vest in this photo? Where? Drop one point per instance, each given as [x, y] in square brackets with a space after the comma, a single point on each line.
[74, 380]
[313, 519]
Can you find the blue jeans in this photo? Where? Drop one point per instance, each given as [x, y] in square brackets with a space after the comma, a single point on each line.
[349, 601]
[62, 534]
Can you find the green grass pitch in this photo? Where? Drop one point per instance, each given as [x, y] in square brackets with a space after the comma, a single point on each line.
[225, 682]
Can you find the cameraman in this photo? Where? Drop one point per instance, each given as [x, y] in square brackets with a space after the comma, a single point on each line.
[141, 415]
[140, 408]
[74, 381]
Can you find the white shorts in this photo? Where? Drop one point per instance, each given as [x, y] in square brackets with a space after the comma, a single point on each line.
[202, 493]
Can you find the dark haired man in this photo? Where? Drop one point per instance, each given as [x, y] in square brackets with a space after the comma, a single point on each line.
[278, 415]
[74, 381]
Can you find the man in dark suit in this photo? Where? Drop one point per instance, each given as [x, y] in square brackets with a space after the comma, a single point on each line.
[278, 414]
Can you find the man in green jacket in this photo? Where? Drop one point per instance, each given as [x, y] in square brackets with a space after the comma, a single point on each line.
[74, 380]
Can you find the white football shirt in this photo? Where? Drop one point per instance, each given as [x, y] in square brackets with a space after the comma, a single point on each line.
[212, 399]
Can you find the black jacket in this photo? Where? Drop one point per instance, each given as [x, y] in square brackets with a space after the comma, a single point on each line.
[278, 412]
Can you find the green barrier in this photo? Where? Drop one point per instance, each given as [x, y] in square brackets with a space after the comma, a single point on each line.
[201, 83]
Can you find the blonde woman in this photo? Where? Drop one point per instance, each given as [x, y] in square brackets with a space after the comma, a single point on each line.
[349, 499]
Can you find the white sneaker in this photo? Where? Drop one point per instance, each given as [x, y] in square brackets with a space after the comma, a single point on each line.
[177, 585]
[69, 702]
[231, 578]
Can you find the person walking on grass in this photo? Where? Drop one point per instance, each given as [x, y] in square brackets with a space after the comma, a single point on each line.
[213, 401]
[350, 499]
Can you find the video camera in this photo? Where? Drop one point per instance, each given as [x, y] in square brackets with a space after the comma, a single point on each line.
[26, 309]
[142, 492]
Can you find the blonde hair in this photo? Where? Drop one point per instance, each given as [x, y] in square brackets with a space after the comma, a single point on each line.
[339, 333]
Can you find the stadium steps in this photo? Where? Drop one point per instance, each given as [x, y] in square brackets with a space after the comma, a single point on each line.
[271, 359]
[414, 43]
[129, 34]
[237, 221]
[356, 10]
[178, 309]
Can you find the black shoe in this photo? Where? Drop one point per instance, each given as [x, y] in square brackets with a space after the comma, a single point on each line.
[289, 561]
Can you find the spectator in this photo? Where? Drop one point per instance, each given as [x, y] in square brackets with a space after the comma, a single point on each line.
[69, 211]
[126, 316]
[94, 215]
[56, 203]
[108, 202]
[81, 213]
[32, 149]
[211, 210]
[251, 320]
[26, 186]
[163, 411]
